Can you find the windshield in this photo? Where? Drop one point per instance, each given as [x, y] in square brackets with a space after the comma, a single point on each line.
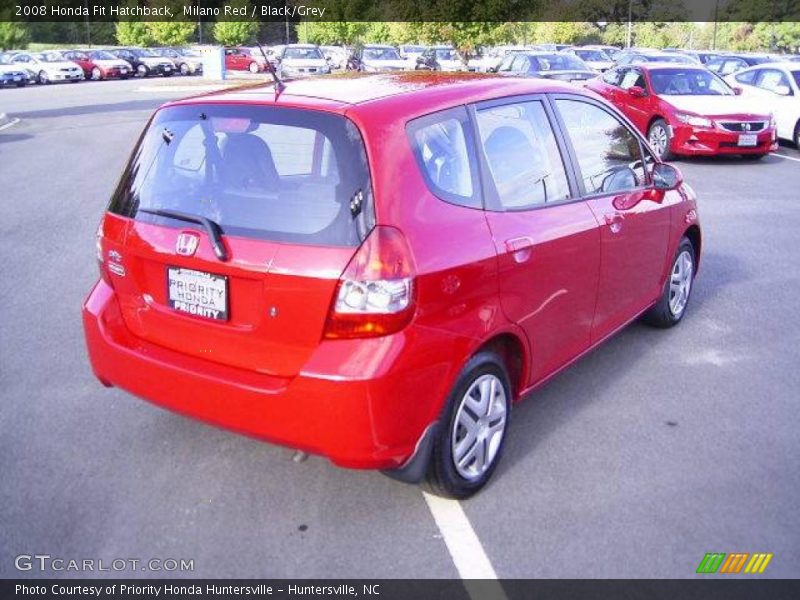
[145, 53]
[671, 58]
[102, 55]
[446, 54]
[594, 55]
[688, 82]
[50, 57]
[302, 53]
[271, 173]
[188, 52]
[381, 54]
[557, 62]
[416, 49]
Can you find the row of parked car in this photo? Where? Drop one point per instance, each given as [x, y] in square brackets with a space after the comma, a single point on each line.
[21, 68]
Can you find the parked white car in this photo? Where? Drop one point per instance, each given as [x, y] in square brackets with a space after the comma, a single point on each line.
[410, 53]
[336, 56]
[777, 86]
[48, 67]
[379, 58]
[302, 60]
[597, 60]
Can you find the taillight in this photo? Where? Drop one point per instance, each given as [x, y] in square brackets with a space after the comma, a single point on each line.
[101, 262]
[375, 295]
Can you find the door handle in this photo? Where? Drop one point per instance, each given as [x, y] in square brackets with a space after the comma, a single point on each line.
[520, 248]
[614, 222]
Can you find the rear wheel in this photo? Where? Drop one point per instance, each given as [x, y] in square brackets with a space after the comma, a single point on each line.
[470, 441]
[184, 69]
[671, 307]
[253, 67]
[97, 75]
[43, 78]
[796, 138]
[142, 71]
[659, 137]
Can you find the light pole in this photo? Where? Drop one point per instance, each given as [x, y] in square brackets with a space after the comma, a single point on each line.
[630, 23]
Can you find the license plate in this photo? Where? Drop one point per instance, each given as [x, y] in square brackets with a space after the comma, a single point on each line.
[123, 70]
[748, 139]
[168, 68]
[198, 293]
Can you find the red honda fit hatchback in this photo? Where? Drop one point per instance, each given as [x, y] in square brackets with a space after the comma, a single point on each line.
[375, 267]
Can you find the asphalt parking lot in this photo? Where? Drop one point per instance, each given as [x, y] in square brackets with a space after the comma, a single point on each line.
[658, 447]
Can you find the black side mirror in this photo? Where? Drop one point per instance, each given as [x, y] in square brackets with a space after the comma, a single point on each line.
[666, 177]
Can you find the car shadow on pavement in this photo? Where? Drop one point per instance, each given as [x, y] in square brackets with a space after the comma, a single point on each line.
[542, 412]
[7, 138]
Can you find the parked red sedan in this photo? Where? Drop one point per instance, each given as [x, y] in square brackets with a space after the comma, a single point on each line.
[688, 110]
[241, 59]
[100, 64]
[375, 267]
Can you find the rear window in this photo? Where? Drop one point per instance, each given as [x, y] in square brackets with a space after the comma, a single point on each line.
[270, 173]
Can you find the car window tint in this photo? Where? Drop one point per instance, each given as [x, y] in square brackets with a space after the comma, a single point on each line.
[443, 147]
[612, 76]
[632, 78]
[747, 77]
[771, 79]
[609, 154]
[522, 155]
[266, 173]
[520, 64]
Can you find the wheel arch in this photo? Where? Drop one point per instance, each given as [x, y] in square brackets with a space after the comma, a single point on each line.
[514, 353]
[696, 239]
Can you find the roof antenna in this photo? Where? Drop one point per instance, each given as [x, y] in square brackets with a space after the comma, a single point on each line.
[279, 85]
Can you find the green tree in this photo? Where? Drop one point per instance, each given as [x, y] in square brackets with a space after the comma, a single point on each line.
[134, 33]
[13, 35]
[234, 33]
[171, 33]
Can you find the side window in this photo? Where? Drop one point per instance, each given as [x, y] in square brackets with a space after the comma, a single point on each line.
[632, 77]
[609, 154]
[715, 64]
[506, 64]
[771, 79]
[731, 66]
[612, 76]
[522, 155]
[748, 77]
[444, 151]
[520, 64]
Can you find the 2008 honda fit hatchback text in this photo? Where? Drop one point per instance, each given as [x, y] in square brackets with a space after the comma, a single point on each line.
[374, 268]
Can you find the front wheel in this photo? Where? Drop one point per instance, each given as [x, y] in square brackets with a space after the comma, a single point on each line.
[472, 433]
[96, 75]
[796, 138]
[43, 78]
[142, 71]
[659, 137]
[253, 67]
[184, 69]
[671, 307]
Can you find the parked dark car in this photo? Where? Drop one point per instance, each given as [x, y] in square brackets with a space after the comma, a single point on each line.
[733, 63]
[440, 58]
[562, 66]
[145, 62]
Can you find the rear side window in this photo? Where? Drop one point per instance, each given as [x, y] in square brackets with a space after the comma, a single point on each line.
[269, 173]
[444, 150]
[748, 77]
[609, 154]
[522, 155]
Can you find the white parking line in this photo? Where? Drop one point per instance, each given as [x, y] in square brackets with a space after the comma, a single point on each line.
[786, 157]
[465, 548]
[9, 124]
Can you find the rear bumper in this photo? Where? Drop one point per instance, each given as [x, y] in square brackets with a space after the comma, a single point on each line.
[693, 141]
[360, 403]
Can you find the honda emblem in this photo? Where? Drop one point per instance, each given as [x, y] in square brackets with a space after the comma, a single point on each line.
[186, 244]
[746, 126]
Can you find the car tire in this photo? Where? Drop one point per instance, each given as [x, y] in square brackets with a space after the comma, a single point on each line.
[659, 138]
[184, 69]
[142, 71]
[671, 307]
[796, 138]
[483, 379]
[22, 84]
[97, 74]
[43, 78]
[253, 67]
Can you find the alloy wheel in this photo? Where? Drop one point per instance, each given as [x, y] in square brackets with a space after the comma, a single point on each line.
[479, 426]
[659, 139]
[96, 74]
[680, 283]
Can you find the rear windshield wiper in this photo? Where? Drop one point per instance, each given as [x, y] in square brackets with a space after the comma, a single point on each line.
[212, 228]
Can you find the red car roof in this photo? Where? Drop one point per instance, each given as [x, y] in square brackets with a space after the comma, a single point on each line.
[421, 92]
